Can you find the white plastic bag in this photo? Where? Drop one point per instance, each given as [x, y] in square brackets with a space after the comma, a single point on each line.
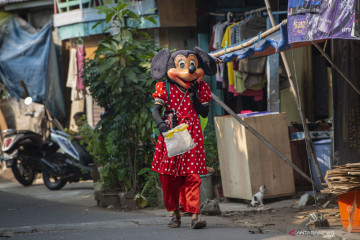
[178, 140]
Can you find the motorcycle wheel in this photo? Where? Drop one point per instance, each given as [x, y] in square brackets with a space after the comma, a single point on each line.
[53, 182]
[23, 174]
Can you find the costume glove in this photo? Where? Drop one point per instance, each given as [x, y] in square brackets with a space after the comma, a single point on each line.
[201, 109]
[156, 114]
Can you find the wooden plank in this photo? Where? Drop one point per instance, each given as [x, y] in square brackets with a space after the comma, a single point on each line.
[246, 163]
[266, 167]
[232, 149]
[343, 178]
[177, 13]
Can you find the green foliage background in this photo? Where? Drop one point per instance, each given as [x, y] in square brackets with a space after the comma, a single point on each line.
[119, 80]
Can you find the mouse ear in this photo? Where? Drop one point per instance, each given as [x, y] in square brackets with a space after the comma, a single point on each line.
[208, 63]
[158, 68]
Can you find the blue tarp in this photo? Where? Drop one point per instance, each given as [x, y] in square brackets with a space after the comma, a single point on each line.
[25, 56]
[274, 43]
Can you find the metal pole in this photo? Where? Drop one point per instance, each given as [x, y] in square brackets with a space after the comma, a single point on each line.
[262, 139]
[309, 145]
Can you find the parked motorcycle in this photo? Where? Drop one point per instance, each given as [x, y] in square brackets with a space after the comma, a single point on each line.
[65, 160]
[22, 151]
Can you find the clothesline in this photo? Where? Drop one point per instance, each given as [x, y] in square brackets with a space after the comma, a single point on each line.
[236, 78]
[255, 11]
[259, 10]
[248, 43]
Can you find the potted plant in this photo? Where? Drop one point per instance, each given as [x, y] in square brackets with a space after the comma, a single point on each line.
[212, 162]
[118, 79]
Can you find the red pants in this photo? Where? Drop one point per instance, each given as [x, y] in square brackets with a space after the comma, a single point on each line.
[189, 194]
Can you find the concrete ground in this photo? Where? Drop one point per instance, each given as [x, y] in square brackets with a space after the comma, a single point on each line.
[278, 217]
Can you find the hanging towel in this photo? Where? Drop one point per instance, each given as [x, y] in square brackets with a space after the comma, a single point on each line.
[72, 79]
[72, 73]
[80, 56]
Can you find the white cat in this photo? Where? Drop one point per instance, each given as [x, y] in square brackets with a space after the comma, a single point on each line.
[257, 199]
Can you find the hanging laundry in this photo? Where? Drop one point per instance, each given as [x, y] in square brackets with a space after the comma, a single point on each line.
[72, 72]
[257, 94]
[226, 41]
[72, 79]
[245, 77]
[80, 57]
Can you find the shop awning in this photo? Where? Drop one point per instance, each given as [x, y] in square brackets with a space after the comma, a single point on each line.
[259, 46]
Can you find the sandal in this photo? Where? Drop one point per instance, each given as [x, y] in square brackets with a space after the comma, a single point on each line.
[175, 222]
[197, 223]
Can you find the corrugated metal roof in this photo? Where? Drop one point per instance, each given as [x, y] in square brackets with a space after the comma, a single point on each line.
[4, 2]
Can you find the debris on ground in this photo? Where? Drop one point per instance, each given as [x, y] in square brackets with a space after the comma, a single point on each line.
[258, 230]
[295, 218]
[326, 204]
[210, 207]
[304, 200]
[318, 220]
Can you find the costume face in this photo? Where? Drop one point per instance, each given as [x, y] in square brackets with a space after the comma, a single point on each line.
[183, 67]
[186, 70]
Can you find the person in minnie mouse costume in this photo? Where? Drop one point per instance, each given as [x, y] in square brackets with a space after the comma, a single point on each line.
[187, 97]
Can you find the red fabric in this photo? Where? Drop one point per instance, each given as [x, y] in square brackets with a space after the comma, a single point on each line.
[258, 94]
[245, 111]
[80, 56]
[186, 188]
[193, 161]
[212, 42]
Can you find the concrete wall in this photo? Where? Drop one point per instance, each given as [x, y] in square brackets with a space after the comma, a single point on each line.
[303, 64]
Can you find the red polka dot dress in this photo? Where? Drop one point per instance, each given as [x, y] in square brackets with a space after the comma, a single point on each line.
[193, 161]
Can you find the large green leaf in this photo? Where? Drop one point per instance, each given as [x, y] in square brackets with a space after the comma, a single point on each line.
[120, 7]
[143, 170]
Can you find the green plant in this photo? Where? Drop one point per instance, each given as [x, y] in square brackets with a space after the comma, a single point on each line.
[119, 80]
[211, 151]
[150, 190]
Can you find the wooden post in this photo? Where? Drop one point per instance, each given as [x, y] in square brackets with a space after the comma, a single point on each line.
[309, 145]
[272, 75]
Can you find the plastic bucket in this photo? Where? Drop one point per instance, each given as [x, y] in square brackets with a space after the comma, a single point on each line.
[323, 152]
[206, 187]
[350, 215]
